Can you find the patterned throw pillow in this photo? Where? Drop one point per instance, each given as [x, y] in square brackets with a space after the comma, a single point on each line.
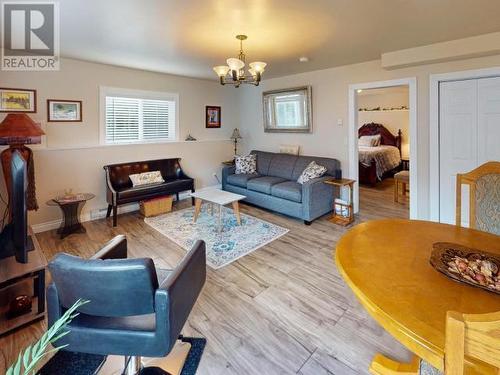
[246, 164]
[146, 178]
[313, 170]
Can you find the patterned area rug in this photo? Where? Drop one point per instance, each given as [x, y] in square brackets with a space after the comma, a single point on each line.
[234, 242]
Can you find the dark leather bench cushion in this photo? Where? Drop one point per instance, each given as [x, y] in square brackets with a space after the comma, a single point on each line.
[289, 190]
[240, 179]
[264, 184]
[168, 186]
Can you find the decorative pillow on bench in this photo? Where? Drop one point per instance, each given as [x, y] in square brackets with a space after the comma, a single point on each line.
[313, 170]
[246, 164]
[146, 178]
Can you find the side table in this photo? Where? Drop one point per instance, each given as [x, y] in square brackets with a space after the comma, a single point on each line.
[71, 210]
[339, 218]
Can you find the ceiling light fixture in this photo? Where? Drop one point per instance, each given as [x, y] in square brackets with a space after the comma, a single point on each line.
[234, 72]
[303, 59]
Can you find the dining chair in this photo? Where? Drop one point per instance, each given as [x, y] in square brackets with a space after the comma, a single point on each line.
[468, 337]
[484, 197]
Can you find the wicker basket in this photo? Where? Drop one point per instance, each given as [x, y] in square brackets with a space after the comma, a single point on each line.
[156, 206]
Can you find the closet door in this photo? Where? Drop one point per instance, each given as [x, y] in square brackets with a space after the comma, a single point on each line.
[488, 130]
[458, 141]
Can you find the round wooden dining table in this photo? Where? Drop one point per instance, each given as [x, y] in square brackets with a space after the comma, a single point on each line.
[386, 264]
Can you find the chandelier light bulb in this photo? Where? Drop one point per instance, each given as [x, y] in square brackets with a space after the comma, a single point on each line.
[235, 64]
[221, 70]
[252, 72]
[258, 66]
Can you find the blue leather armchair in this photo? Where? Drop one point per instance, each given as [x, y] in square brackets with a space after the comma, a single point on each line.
[134, 309]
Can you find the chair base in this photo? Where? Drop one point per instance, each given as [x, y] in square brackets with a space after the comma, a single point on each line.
[172, 363]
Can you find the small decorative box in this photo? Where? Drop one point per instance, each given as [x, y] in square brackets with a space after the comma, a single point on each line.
[156, 206]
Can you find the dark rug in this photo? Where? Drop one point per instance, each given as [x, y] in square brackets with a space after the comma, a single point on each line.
[70, 363]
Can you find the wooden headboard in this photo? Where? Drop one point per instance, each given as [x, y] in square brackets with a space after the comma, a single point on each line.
[386, 137]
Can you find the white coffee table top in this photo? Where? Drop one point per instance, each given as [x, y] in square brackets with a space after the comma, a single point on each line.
[217, 196]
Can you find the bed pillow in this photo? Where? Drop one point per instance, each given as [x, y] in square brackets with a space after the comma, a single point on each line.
[246, 164]
[313, 170]
[369, 140]
[146, 178]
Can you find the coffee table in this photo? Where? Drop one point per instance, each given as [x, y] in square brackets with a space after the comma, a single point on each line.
[220, 198]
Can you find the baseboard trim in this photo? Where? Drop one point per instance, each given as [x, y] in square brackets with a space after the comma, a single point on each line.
[100, 213]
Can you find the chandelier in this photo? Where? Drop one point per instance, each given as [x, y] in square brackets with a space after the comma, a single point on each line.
[234, 72]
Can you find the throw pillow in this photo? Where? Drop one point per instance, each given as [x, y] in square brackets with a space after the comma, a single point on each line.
[246, 164]
[313, 170]
[369, 140]
[146, 178]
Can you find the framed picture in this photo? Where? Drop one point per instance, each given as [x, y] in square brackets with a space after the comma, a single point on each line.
[17, 100]
[212, 114]
[64, 110]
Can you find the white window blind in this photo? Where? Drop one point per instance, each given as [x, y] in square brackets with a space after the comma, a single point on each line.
[136, 120]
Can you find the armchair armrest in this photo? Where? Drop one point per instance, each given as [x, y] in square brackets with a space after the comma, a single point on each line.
[177, 295]
[54, 311]
[226, 171]
[110, 191]
[317, 198]
[114, 249]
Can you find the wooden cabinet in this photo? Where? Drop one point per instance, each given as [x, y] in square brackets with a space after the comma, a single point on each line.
[22, 279]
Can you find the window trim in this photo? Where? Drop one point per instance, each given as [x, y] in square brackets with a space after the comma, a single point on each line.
[105, 91]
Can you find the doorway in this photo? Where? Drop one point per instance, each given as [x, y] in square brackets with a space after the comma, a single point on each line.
[384, 113]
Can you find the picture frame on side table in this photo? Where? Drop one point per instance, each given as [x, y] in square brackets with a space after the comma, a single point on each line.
[17, 100]
[64, 110]
[212, 117]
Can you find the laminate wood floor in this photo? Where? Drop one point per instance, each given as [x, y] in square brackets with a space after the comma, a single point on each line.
[283, 309]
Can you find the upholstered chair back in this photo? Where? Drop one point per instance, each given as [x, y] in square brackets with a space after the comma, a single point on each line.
[484, 197]
[114, 287]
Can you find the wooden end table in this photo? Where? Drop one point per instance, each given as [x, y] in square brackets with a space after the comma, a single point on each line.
[71, 210]
[340, 219]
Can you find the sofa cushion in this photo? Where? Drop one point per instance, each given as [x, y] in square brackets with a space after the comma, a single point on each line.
[263, 161]
[167, 187]
[282, 165]
[240, 179]
[263, 184]
[303, 161]
[289, 190]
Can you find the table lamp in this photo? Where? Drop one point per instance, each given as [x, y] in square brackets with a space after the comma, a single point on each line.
[235, 136]
[16, 130]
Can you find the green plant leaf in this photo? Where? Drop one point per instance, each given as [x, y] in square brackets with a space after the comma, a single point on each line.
[27, 356]
[32, 355]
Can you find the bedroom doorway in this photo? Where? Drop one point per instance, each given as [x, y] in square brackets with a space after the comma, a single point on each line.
[382, 147]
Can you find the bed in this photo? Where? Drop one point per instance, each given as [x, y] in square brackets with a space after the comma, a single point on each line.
[382, 161]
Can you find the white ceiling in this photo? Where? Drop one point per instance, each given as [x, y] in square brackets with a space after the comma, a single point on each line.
[188, 37]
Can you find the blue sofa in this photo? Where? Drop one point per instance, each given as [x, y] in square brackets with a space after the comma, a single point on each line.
[275, 186]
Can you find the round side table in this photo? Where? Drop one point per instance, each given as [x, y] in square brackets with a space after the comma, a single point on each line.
[71, 210]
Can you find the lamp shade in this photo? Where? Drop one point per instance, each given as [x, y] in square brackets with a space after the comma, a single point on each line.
[236, 134]
[235, 64]
[19, 128]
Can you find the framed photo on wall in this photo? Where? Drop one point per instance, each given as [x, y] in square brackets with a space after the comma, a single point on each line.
[17, 100]
[64, 110]
[212, 116]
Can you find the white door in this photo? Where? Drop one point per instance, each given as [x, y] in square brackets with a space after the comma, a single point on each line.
[488, 131]
[457, 139]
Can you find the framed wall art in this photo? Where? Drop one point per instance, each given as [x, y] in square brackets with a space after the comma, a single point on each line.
[17, 100]
[64, 110]
[212, 116]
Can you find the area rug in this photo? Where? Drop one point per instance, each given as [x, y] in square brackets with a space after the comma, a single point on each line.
[70, 363]
[234, 242]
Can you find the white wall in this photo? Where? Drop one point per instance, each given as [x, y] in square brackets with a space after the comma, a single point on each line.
[393, 97]
[72, 156]
[330, 102]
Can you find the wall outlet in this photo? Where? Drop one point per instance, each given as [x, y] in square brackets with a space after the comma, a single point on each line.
[340, 122]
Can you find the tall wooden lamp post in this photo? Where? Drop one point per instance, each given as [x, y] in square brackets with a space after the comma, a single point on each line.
[17, 130]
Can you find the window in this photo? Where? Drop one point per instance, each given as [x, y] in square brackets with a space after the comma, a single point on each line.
[130, 116]
[288, 110]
